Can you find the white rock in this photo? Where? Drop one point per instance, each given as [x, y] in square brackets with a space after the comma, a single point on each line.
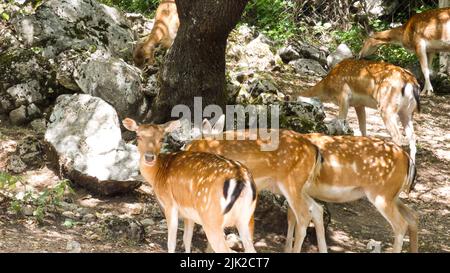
[85, 132]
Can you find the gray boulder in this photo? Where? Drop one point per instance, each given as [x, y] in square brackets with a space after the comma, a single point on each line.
[304, 116]
[288, 53]
[308, 67]
[337, 127]
[114, 81]
[342, 52]
[253, 55]
[25, 93]
[85, 142]
[41, 50]
[28, 156]
[301, 50]
[58, 25]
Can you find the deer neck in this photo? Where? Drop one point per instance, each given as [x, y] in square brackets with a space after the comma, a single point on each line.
[315, 91]
[391, 36]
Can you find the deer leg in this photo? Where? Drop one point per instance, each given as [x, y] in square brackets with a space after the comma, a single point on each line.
[391, 212]
[411, 218]
[344, 103]
[290, 233]
[390, 120]
[317, 218]
[172, 226]
[216, 239]
[361, 113]
[430, 57]
[246, 234]
[407, 123]
[301, 211]
[188, 232]
[421, 52]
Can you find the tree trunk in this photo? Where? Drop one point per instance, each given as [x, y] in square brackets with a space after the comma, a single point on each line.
[195, 65]
[444, 57]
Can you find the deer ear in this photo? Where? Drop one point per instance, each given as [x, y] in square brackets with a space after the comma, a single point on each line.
[171, 126]
[206, 127]
[220, 124]
[130, 124]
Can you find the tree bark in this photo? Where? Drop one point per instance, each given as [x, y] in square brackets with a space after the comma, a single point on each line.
[444, 57]
[195, 65]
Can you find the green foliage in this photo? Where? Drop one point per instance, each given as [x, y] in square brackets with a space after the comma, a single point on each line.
[273, 17]
[41, 203]
[146, 7]
[354, 37]
[5, 16]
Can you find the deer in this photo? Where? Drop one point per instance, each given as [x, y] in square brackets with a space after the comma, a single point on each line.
[392, 90]
[352, 167]
[163, 32]
[425, 34]
[356, 167]
[201, 188]
[285, 170]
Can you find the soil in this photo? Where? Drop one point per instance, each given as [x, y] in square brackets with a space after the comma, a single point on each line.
[353, 225]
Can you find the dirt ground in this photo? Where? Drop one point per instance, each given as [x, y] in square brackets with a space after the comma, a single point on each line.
[353, 225]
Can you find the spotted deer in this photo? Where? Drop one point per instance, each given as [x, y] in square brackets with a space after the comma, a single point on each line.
[392, 90]
[285, 171]
[201, 188]
[357, 167]
[163, 32]
[425, 34]
[351, 168]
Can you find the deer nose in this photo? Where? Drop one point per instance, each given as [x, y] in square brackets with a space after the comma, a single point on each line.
[149, 157]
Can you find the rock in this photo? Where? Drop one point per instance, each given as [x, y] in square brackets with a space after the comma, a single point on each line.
[114, 81]
[243, 76]
[304, 116]
[58, 25]
[27, 211]
[33, 112]
[308, 67]
[85, 141]
[270, 213]
[30, 152]
[69, 214]
[261, 86]
[147, 222]
[288, 53]
[140, 24]
[261, 243]
[308, 51]
[337, 127]
[16, 165]
[39, 125]
[24, 114]
[68, 206]
[73, 247]
[256, 54]
[19, 115]
[25, 93]
[376, 8]
[89, 218]
[123, 229]
[342, 52]
[82, 211]
[151, 87]
[67, 62]
[234, 242]
[6, 104]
